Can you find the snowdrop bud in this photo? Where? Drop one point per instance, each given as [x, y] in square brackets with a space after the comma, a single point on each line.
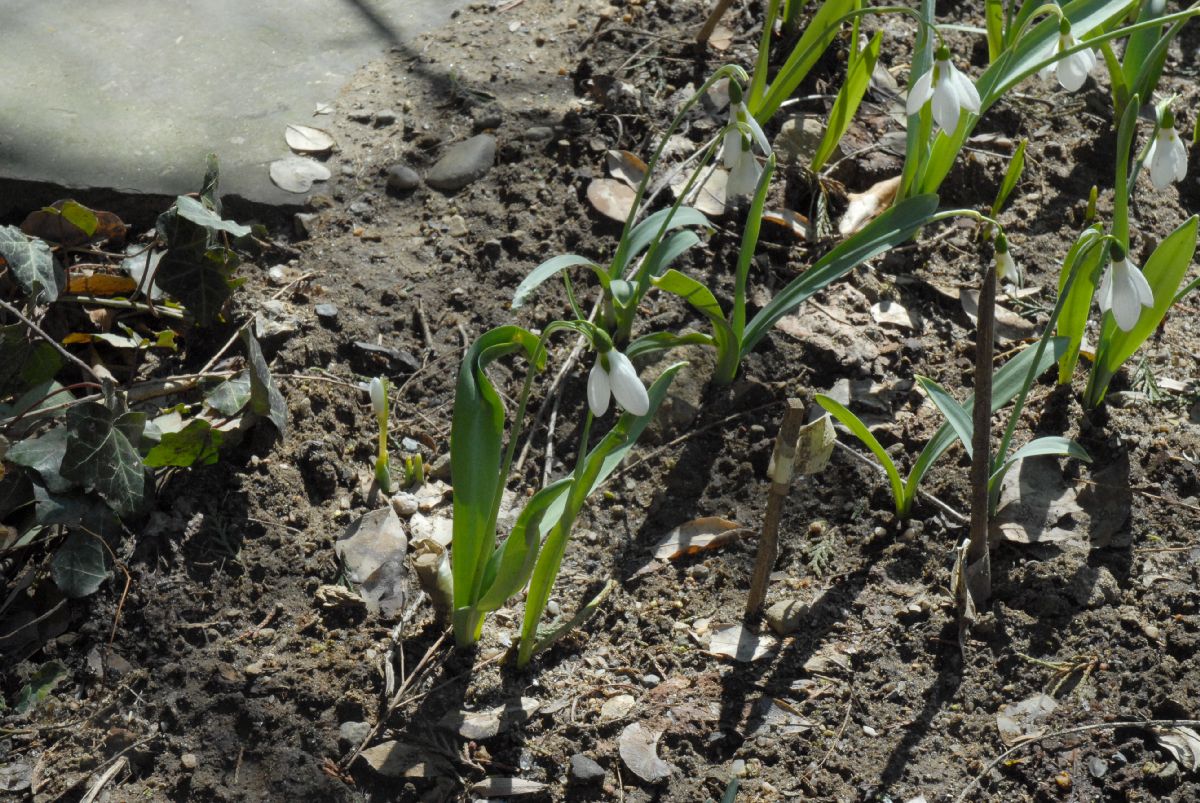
[1167, 155]
[1124, 291]
[627, 387]
[378, 390]
[1006, 266]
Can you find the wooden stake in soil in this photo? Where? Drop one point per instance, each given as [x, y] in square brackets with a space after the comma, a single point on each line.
[782, 463]
[979, 568]
[710, 23]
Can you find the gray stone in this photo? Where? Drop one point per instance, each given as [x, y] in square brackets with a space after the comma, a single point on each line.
[328, 313]
[538, 133]
[463, 163]
[489, 117]
[189, 761]
[303, 222]
[650, 681]
[1097, 766]
[785, 616]
[585, 769]
[361, 115]
[799, 138]
[351, 734]
[385, 117]
[402, 178]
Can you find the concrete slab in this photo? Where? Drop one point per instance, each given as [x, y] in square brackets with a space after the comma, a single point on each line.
[127, 95]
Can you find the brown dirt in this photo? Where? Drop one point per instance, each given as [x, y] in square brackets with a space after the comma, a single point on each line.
[232, 661]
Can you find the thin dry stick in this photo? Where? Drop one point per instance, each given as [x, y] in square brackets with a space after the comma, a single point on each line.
[1157, 723]
[783, 464]
[83, 366]
[548, 468]
[104, 780]
[555, 388]
[710, 24]
[978, 559]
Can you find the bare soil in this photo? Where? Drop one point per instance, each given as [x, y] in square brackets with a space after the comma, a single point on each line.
[228, 679]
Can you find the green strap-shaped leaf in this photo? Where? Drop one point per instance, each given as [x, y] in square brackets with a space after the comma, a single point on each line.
[893, 227]
[956, 415]
[1016, 165]
[860, 431]
[1139, 45]
[1006, 384]
[645, 232]
[846, 104]
[548, 269]
[821, 31]
[658, 342]
[702, 299]
[1047, 445]
[662, 257]
[476, 439]
[510, 566]
[32, 265]
[1073, 318]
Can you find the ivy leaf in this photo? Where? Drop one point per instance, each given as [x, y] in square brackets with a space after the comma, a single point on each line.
[196, 444]
[265, 398]
[44, 456]
[200, 279]
[40, 684]
[80, 566]
[100, 457]
[25, 362]
[201, 215]
[32, 264]
[231, 395]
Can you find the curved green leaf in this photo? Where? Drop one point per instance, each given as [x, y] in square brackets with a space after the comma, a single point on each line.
[1072, 320]
[645, 232]
[511, 564]
[80, 566]
[548, 269]
[821, 30]
[846, 104]
[956, 415]
[702, 299]
[860, 431]
[893, 227]
[100, 457]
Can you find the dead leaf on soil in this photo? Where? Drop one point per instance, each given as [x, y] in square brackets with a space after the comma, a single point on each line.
[698, 535]
[639, 750]
[794, 222]
[488, 723]
[830, 659]
[1182, 743]
[393, 759]
[740, 643]
[100, 284]
[778, 717]
[1018, 722]
[57, 223]
[436, 528]
[373, 551]
[306, 139]
[626, 166]
[618, 707]
[297, 173]
[507, 787]
[893, 313]
[709, 196]
[1037, 506]
[611, 197]
[1009, 325]
[866, 206]
[721, 38]
[814, 445]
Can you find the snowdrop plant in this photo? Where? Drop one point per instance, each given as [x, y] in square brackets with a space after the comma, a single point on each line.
[1070, 70]
[378, 391]
[946, 90]
[1166, 154]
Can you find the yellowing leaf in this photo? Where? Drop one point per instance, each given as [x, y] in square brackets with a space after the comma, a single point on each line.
[100, 284]
[698, 535]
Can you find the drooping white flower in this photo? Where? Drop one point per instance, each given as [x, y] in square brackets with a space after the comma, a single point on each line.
[1006, 267]
[736, 152]
[1071, 71]
[1167, 155]
[1124, 291]
[949, 89]
[614, 375]
[378, 391]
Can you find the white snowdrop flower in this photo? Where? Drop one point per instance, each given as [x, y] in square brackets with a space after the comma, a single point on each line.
[1124, 291]
[1006, 267]
[741, 133]
[1071, 71]
[378, 391]
[949, 89]
[1167, 155]
[614, 375]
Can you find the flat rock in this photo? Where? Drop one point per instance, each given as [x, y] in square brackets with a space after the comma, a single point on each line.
[402, 178]
[463, 163]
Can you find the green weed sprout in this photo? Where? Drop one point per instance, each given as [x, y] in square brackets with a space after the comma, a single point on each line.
[378, 390]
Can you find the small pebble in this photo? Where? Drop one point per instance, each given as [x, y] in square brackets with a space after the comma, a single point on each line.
[651, 680]
[553, 608]
[405, 505]
[361, 116]
[360, 208]
[402, 178]
[1097, 766]
[456, 226]
[328, 313]
[385, 117]
[585, 769]
[277, 276]
[189, 761]
[539, 133]
[409, 445]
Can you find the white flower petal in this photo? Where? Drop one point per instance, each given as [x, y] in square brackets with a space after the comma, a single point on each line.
[731, 147]
[1178, 156]
[756, 132]
[598, 389]
[1006, 267]
[1142, 287]
[945, 106]
[1126, 310]
[968, 95]
[1106, 290]
[921, 92]
[743, 177]
[1072, 72]
[378, 396]
[626, 386]
[1126, 291]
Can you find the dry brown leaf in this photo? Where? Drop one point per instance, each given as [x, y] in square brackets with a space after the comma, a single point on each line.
[721, 38]
[866, 206]
[1018, 722]
[306, 139]
[1009, 325]
[740, 643]
[639, 750]
[1182, 743]
[611, 197]
[698, 535]
[794, 222]
[488, 723]
[395, 760]
[626, 166]
[100, 284]
[893, 313]
[507, 787]
[618, 707]
[297, 173]
[709, 196]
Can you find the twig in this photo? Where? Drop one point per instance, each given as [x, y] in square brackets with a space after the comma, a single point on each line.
[137, 306]
[710, 23]
[83, 366]
[549, 464]
[104, 779]
[979, 570]
[783, 465]
[45, 615]
[1156, 723]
